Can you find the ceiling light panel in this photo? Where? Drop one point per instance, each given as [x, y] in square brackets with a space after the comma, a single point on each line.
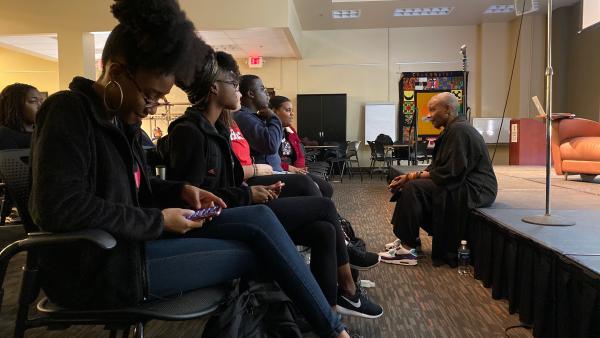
[424, 11]
[336, 1]
[499, 9]
[345, 13]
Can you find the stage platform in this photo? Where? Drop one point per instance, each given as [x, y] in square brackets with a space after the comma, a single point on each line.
[549, 275]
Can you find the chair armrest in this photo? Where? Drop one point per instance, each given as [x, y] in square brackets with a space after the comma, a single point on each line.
[100, 238]
[36, 240]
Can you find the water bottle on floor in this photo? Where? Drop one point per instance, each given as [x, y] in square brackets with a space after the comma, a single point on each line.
[464, 259]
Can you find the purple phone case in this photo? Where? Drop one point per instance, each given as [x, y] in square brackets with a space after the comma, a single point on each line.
[205, 213]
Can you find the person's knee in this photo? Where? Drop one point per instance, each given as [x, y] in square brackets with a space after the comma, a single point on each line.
[261, 216]
[324, 234]
[409, 186]
[327, 204]
[308, 185]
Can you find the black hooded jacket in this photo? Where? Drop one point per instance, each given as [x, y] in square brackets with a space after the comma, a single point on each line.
[83, 177]
[199, 153]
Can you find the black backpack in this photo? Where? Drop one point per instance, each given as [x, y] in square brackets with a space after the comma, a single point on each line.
[260, 311]
[354, 242]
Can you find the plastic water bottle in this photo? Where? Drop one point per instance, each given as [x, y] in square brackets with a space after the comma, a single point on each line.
[464, 259]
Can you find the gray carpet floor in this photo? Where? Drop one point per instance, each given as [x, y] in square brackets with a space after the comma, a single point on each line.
[419, 301]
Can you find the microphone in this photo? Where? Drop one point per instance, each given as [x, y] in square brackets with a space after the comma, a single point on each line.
[463, 51]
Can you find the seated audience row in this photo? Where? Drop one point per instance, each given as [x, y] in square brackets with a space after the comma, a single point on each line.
[89, 171]
[197, 150]
[234, 147]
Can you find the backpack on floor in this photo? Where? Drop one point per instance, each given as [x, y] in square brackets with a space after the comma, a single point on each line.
[260, 311]
[354, 242]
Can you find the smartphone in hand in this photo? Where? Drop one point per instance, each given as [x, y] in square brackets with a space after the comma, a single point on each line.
[205, 213]
[276, 187]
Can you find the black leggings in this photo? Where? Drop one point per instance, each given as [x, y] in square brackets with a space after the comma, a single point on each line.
[295, 185]
[324, 186]
[313, 222]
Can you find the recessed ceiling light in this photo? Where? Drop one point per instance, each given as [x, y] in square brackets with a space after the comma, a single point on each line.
[499, 9]
[345, 13]
[425, 11]
[335, 1]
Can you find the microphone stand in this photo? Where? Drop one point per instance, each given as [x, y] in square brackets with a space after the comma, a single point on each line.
[466, 111]
[413, 130]
[548, 218]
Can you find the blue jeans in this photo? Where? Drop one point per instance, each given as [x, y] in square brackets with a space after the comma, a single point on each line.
[230, 245]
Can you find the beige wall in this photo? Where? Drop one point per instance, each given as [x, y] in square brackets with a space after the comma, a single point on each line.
[496, 44]
[530, 66]
[362, 64]
[577, 65]
[38, 16]
[24, 68]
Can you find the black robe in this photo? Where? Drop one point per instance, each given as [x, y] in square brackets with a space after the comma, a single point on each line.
[464, 177]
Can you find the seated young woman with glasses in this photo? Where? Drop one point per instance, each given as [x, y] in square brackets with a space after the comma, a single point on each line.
[89, 172]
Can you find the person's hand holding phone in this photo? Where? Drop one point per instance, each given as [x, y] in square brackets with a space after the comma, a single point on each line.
[262, 194]
[276, 188]
[197, 198]
[174, 220]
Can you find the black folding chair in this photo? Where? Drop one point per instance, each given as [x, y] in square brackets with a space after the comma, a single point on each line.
[377, 155]
[14, 171]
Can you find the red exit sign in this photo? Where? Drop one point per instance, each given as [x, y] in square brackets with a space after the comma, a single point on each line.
[255, 61]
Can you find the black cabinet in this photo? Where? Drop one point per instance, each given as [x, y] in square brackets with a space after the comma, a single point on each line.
[322, 117]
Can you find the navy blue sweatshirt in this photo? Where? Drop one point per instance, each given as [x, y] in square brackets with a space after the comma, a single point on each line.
[263, 136]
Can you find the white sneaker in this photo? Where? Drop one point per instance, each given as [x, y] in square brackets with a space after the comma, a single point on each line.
[399, 256]
[395, 244]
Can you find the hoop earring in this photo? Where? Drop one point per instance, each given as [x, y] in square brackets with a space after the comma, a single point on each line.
[120, 91]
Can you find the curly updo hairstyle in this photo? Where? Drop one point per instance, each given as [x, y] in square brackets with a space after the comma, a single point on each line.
[154, 35]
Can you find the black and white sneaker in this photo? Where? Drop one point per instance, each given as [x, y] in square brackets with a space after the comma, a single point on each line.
[358, 305]
[362, 260]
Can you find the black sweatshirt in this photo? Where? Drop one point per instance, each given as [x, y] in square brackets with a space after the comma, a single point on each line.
[199, 153]
[83, 177]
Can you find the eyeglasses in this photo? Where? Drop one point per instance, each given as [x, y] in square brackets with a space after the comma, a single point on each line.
[235, 84]
[149, 103]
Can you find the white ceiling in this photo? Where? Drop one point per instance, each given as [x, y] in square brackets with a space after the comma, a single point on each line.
[42, 45]
[313, 15]
[316, 14]
[267, 42]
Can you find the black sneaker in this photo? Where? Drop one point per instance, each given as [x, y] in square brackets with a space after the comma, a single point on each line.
[362, 260]
[358, 305]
